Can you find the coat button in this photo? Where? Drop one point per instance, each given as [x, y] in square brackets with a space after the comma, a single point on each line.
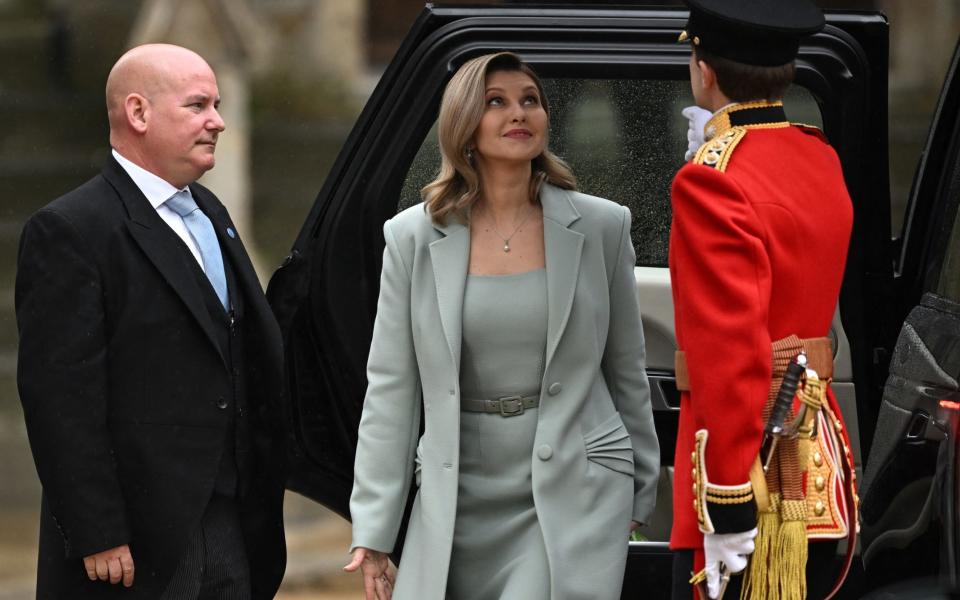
[818, 459]
[554, 388]
[544, 452]
[820, 483]
[221, 403]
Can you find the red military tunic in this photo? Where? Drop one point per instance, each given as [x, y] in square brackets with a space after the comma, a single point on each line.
[758, 244]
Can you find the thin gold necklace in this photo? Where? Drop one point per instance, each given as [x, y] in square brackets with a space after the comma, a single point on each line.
[506, 240]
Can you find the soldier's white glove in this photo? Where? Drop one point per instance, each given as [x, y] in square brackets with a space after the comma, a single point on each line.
[727, 549]
[696, 120]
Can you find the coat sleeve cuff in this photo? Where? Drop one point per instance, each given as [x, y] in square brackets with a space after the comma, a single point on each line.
[371, 542]
[80, 544]
[719, 508]
[642, 508]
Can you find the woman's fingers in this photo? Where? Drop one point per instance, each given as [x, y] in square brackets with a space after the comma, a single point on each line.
[378, 577]
[358, 555]
[369, 587]
[384, 587]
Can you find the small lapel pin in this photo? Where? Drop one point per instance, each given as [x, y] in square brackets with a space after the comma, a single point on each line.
[231, 232]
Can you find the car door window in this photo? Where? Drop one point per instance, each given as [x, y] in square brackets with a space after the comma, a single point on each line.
[625, 139]
[948, 284]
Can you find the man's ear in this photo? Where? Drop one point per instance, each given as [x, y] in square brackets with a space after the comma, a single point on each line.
[137, 110]
[708, 77]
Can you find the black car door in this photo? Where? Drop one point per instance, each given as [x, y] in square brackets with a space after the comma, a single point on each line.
[616, 79]
[910, 496]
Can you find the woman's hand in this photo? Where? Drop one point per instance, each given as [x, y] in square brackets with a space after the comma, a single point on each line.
[378, 575]
[635, 535]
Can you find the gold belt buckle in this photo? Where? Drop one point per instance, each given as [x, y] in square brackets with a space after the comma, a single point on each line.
[511, 406]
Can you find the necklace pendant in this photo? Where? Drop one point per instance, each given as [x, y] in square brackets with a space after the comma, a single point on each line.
[506, 247]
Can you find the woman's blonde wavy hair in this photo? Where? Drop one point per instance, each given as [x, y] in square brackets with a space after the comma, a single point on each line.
[457, 186]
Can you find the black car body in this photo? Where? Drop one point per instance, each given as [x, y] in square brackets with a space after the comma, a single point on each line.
[617, 80]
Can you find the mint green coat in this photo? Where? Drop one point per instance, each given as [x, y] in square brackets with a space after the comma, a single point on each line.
[595, 456]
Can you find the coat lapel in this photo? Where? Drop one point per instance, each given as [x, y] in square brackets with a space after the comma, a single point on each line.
[248, 284]
[562, 248]
[231, 246]
[154, 238]
[450, 256]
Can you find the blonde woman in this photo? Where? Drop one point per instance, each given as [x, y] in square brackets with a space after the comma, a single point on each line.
[508, 322]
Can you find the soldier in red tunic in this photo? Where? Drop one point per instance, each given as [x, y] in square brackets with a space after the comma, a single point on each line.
[761, 225]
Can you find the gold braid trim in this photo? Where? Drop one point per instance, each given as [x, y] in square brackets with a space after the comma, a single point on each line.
[720, 122]
[730, 492]
[704, 493]
[700, 481]
[717, 152]
[743, 500]
[739, 495]
[793, 510]
[813, 391]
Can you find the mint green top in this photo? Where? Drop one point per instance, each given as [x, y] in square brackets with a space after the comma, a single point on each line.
[498, 550]
[504, 334]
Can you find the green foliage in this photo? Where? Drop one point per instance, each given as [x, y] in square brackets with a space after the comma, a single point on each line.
[636, 536]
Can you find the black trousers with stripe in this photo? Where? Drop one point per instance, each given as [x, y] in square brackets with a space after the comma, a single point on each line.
[214, 563]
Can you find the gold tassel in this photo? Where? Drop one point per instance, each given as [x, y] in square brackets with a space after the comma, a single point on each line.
[757, 580]
[757, 583]
[791, 557]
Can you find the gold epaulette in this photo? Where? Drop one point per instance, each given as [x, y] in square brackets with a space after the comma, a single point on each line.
[717, 152]
[812, 130]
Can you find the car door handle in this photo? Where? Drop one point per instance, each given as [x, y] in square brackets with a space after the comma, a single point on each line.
[939, 393]
[664, 395]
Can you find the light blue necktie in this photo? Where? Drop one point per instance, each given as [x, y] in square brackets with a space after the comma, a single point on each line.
[203, 234]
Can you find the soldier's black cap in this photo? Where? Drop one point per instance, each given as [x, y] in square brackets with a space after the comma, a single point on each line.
[755, 32]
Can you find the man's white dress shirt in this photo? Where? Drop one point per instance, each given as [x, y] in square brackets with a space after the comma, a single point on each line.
[158, 191]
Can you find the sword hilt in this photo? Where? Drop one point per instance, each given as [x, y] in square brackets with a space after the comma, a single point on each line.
[777, 426]
[777, 423]
[699, 581]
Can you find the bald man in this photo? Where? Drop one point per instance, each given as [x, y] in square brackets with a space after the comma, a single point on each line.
[150, 365]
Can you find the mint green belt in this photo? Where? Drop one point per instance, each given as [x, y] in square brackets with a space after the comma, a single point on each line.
[506, 406]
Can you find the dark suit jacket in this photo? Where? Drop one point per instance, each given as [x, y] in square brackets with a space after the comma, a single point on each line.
[122, 384]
